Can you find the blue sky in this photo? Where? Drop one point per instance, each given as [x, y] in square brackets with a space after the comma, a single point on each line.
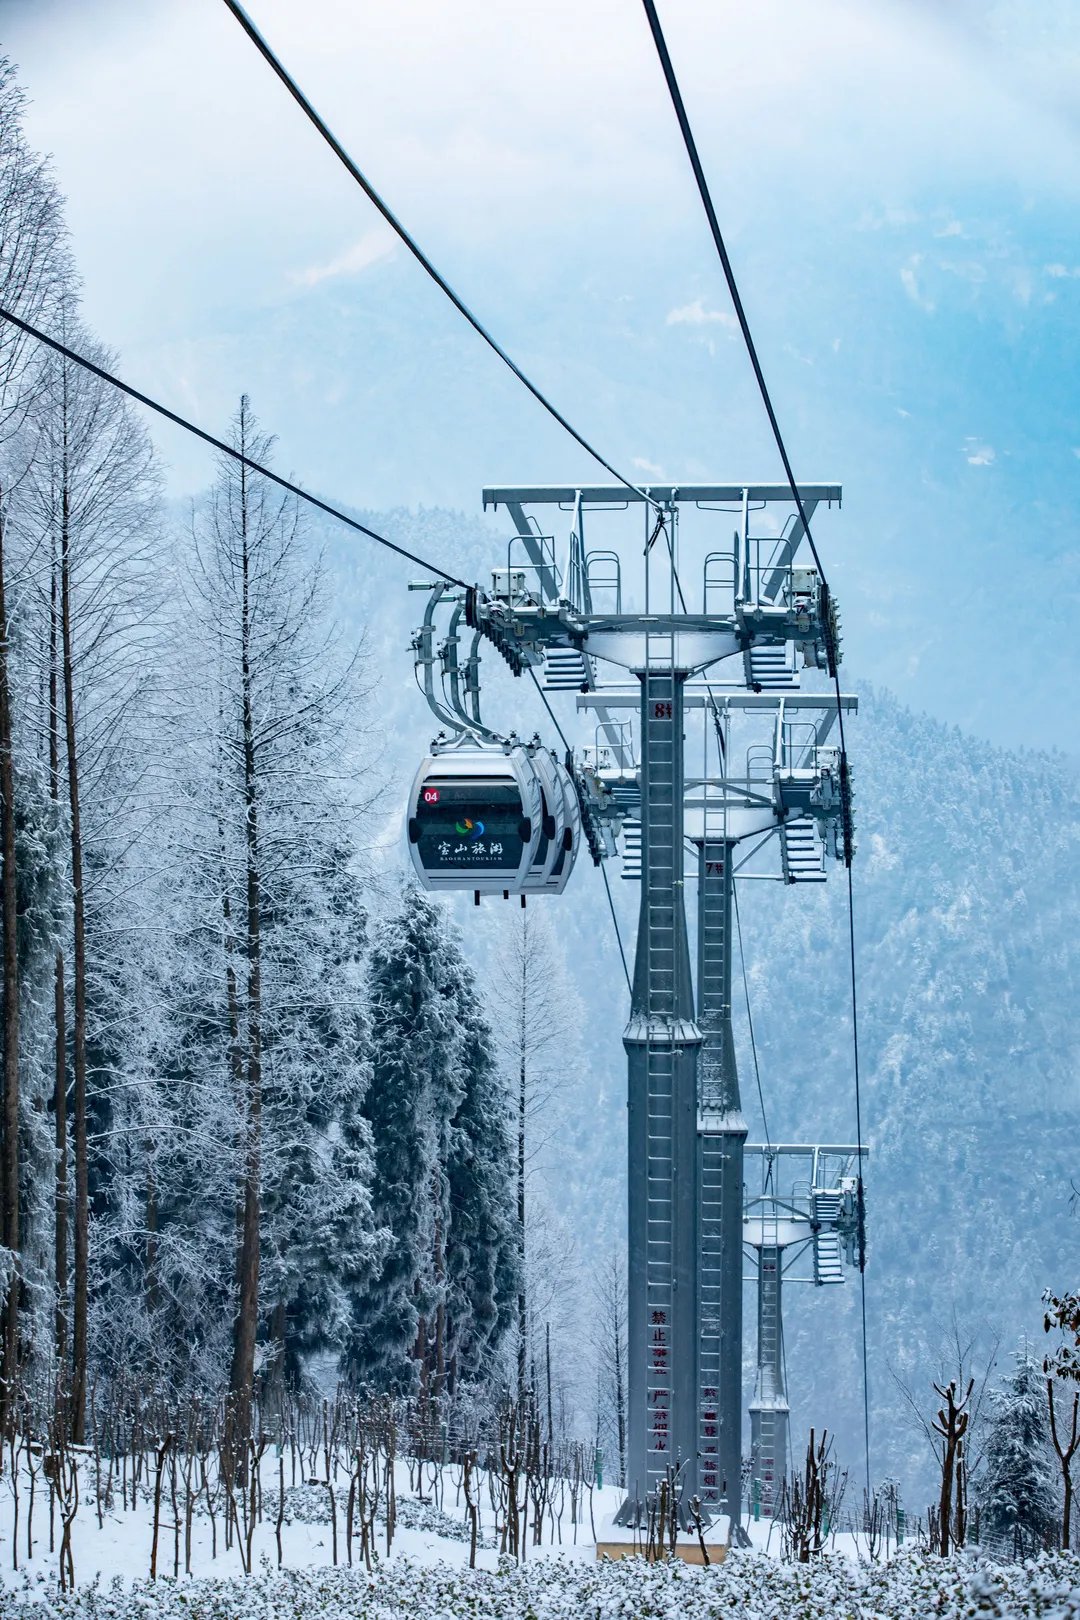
[899, 184]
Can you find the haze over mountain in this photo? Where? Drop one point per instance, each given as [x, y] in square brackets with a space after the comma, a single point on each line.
[898, 184]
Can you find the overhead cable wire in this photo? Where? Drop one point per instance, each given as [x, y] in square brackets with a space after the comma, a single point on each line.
[615, 923]
[109, 377]
[729, 274]
[406, 237]
[551, 712]
[859, 1186]
[744, 326]
[220, 445]
[751, 348]
[769, 1178]
[431, 269]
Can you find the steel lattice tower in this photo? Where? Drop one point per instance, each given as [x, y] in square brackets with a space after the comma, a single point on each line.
[686, 1132]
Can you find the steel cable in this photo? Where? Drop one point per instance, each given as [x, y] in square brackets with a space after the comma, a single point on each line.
[406, 237]
[223, 448]
[744, 326]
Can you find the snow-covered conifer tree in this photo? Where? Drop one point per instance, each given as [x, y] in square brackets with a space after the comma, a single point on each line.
[266, 809]
[164, 1248]
[413, 1048]
[436, 1314]
[320, 1245]
[1018, 1494]
[482, 1249]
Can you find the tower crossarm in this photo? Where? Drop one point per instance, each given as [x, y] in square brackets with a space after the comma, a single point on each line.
[812, 1188]
[614, 495]
[753, 595]
[624, 696]
[791, 785]
[515, 615]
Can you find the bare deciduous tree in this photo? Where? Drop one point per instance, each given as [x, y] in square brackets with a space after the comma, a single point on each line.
[966, 1357]
[1063, 1363]
[609, 1344]
[32, 265]
[1066, 1444]
[532, 1029]
[810, 1504]
[951, 1424]
[91, 487]
[536, 1014]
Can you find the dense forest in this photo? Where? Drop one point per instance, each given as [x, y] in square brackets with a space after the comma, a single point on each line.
[248, 1127]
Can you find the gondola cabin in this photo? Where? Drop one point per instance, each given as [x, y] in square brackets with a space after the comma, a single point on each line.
[552, 821]
[476, 818]
[562, 814]
[571, 838]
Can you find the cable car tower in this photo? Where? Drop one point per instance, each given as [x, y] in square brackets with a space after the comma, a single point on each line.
[801, 1204]
[645, 659]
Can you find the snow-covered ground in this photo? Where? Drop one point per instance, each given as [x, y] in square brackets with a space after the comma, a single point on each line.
[426, 1575]
[747, 1585]
[116, 1540]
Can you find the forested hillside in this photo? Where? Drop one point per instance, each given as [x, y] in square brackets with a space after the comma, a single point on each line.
[969, 958]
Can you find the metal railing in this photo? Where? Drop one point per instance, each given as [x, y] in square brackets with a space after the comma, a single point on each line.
[613, 742]
[760, 766]
[598, 582]
[758, 574]
[796, 745]
[718, 575]
[525, 578]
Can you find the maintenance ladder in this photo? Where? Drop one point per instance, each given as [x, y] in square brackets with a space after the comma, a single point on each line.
[658, 919]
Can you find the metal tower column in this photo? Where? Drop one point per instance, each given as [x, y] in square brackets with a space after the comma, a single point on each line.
[769, 1409]
[662, 1041]
[685, 1147]
[807, 1206]
[721, 1135]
